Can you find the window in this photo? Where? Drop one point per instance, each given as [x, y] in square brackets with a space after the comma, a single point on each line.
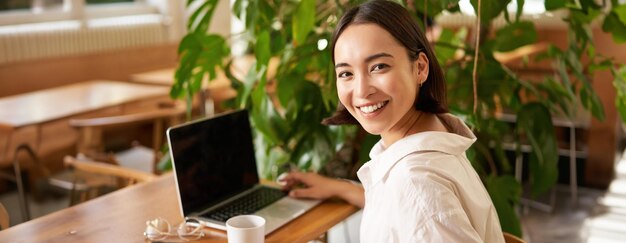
[14, 12]
[6, 5]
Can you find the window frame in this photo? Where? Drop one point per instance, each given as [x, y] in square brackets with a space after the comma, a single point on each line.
[78, 10]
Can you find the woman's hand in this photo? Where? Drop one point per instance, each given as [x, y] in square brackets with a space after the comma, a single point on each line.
[314, 186]
[309, 185]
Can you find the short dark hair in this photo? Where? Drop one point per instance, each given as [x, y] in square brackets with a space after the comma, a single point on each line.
[396, 20]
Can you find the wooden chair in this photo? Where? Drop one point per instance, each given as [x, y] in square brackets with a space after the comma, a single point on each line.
[83, 186]
[92, 178]
[509, 238]
[4, 218]
[91, 133]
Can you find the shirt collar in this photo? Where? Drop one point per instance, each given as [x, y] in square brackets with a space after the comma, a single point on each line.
[455, 142]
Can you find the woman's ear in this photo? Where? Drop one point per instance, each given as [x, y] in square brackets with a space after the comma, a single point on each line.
[421, 68]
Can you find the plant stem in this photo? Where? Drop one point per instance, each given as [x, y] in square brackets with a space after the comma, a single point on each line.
[474, 75]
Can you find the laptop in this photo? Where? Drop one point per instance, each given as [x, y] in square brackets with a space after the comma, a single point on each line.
[217, 178]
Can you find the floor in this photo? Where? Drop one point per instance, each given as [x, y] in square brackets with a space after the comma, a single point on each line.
[608, 223]
[37, 208]
[597, 216]
[566, 221]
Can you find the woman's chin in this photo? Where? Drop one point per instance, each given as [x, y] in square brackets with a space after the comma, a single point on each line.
[374, 130]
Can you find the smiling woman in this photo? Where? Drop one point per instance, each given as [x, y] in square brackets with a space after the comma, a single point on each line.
[419, 185]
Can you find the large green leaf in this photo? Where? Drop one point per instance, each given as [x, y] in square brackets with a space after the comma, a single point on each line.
[238, 9]
[620, 11]
[591, 101]
[266, 119]
[447, 44]
[620, 85]
[559, 96]
[285, 87]
[244, 91]
[615, 26]
[489, 9]
[515, 35]
[554, 4]
[303, 21]
[588, 5]
[433, 7]
[262, 50]
[505, 192]
[201, 18]
[520, 9]
[266, 13]
[535, 123]
[200, 54]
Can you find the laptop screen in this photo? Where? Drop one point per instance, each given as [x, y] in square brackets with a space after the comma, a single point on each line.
[213, 159]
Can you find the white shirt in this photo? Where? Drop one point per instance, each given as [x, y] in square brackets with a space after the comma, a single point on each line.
[424, 189]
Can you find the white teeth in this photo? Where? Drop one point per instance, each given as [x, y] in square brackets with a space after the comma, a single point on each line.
[371, 108]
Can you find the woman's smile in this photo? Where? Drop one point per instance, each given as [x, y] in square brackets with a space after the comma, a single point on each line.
[372, 109]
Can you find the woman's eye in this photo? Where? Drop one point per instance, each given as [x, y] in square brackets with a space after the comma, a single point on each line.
[344, 74]
[379, 67]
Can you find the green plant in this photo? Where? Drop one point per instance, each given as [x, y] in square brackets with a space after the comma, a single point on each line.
[287, 120]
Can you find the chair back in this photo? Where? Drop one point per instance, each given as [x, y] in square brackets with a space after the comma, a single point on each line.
[91, 130]
[510, 238]
[88, 182]
[94, 167]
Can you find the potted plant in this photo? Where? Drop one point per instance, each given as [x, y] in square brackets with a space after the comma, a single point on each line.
[286, 111]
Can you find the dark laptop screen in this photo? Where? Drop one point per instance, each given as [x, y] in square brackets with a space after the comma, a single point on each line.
[213, 159]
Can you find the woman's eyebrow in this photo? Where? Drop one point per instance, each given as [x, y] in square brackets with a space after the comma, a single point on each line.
[368, 59]
[376, 56]
[342, 64]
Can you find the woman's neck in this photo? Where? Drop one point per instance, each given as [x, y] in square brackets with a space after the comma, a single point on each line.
[413, 124]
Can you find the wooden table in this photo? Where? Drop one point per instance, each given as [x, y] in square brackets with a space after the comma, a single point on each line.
[218, 89]
[50, 105]
[61, 102]
[121, 217]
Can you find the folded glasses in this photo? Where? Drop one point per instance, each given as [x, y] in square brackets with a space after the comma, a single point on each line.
[160, 229]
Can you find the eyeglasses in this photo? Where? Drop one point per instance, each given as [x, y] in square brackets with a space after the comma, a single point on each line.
[160, 229]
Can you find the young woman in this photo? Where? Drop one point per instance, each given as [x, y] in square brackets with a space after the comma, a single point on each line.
[419, 186]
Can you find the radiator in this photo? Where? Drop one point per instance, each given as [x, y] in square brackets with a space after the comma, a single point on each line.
[75, 37]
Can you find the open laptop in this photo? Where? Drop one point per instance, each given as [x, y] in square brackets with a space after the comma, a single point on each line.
[216, 174]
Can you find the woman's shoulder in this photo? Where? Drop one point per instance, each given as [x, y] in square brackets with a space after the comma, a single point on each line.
[444, 168]
[431, 160]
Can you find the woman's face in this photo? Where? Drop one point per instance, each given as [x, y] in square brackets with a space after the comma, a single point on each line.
[376, 81]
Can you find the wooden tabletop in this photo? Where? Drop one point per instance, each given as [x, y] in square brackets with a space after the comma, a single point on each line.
[239, 68]
[64, 101]
[121, 217]
[219, 88]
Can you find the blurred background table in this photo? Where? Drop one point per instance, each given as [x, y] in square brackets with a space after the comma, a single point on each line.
[23, 118]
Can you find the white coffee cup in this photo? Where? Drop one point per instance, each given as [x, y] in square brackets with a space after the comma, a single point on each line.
[246, 229]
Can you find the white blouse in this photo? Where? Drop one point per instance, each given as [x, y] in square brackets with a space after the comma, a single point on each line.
[424, 189]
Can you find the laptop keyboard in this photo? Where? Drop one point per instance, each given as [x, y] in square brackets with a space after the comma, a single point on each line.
[247, 204]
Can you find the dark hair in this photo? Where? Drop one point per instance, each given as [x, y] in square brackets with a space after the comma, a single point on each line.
[400, 24]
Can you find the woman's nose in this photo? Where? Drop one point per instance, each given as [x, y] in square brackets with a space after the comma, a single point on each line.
[363, 87]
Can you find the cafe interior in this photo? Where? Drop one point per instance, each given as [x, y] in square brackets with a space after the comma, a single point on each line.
[88, 89]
